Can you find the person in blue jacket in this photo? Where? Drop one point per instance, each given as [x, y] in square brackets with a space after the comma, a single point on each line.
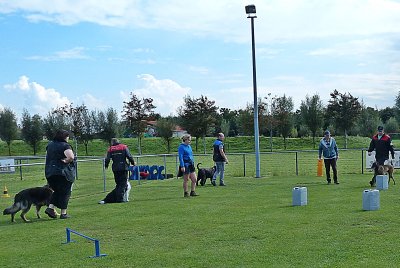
[220, 159]
[328, 148]
[186, 165]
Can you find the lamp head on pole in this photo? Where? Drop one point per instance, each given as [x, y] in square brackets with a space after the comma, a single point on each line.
[251, 11]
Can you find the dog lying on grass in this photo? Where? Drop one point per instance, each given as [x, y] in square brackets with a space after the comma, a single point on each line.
[204, 173]
[38, 196]
[382, 170]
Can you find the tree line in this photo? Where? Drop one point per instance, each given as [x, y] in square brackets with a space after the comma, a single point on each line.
[343, 115]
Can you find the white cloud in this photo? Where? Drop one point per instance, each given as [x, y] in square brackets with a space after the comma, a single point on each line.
[199, 69]
[226, 19]
[356, 48]
[92, 103]
[36, 96]
[167, 94]
[74, 53]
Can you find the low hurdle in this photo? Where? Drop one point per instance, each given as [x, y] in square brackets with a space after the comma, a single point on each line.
[96, 242]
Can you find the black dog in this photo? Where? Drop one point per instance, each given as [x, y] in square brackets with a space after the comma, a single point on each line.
[38, 196]
[204, 173]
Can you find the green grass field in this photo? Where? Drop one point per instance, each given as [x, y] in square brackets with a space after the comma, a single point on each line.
[249, 223]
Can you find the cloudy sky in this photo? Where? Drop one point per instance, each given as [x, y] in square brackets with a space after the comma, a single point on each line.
[95, 52]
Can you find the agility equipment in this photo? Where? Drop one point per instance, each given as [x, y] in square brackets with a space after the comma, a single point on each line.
[371, 200]
[5, 192]
[319, 168]
[299, 196]
[96, 242]
[382, 182]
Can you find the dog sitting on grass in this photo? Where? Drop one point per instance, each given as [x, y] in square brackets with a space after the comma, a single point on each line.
[204, 173]
[38, 196]
[382, 170]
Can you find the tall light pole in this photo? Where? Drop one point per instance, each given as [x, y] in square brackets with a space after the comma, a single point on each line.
[251, 14]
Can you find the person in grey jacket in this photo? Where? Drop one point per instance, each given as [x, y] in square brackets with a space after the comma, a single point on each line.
[328, 148]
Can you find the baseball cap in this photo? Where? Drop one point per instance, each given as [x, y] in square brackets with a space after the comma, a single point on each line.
[380, 128]
[327, 132]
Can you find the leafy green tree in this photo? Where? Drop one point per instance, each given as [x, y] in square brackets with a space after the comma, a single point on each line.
[198, 116]
[32, 130]
[396, 107]
[229, 116]
[386, 113]
[8, 127]
[136, 113]
[312, 114]
[108, 125]
[344, 110]
[74, 118]
[53, 122]
[245, 121]
[225, 126]
[282, 109]
[392, 126]
[165, 127]
[88, 129]
[367, 122]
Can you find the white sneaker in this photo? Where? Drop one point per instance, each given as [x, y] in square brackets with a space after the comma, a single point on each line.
[102, 202]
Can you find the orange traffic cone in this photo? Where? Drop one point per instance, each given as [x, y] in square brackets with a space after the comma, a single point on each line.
[319, 168]
[5, 192]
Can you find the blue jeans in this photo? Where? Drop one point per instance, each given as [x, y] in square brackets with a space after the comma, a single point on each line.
[220, 169]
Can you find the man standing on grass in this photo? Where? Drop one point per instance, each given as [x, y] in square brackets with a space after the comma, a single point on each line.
[382, 144]
[328, 148]
[119, 153]
[220, 159]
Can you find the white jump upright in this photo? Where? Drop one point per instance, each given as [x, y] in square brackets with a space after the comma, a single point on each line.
[299, 196]
[382, 182]
[371, 199]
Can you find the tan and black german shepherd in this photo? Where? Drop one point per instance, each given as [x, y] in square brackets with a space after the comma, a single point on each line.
[38, 196]
[382, 170]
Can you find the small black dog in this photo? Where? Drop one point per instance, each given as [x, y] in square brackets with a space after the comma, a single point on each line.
[204, 173]
[38, 196]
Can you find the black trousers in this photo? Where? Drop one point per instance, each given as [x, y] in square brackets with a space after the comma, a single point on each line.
[62, 191]
[117, 194]
[328, 164]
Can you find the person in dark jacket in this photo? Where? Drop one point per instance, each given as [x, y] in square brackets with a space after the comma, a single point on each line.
[119, 153]
[220, 159]
[382, 144]
[58, 154]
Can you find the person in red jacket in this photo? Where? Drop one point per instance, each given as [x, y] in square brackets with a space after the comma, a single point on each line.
[382, 144]
[119, 153]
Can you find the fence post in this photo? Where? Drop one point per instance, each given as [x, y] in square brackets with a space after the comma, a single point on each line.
[176, 164]
[20, 168]
[104, 175]
[297, 165]
[138, 170]
[362, 161]
[244, 165]
[165, 167]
